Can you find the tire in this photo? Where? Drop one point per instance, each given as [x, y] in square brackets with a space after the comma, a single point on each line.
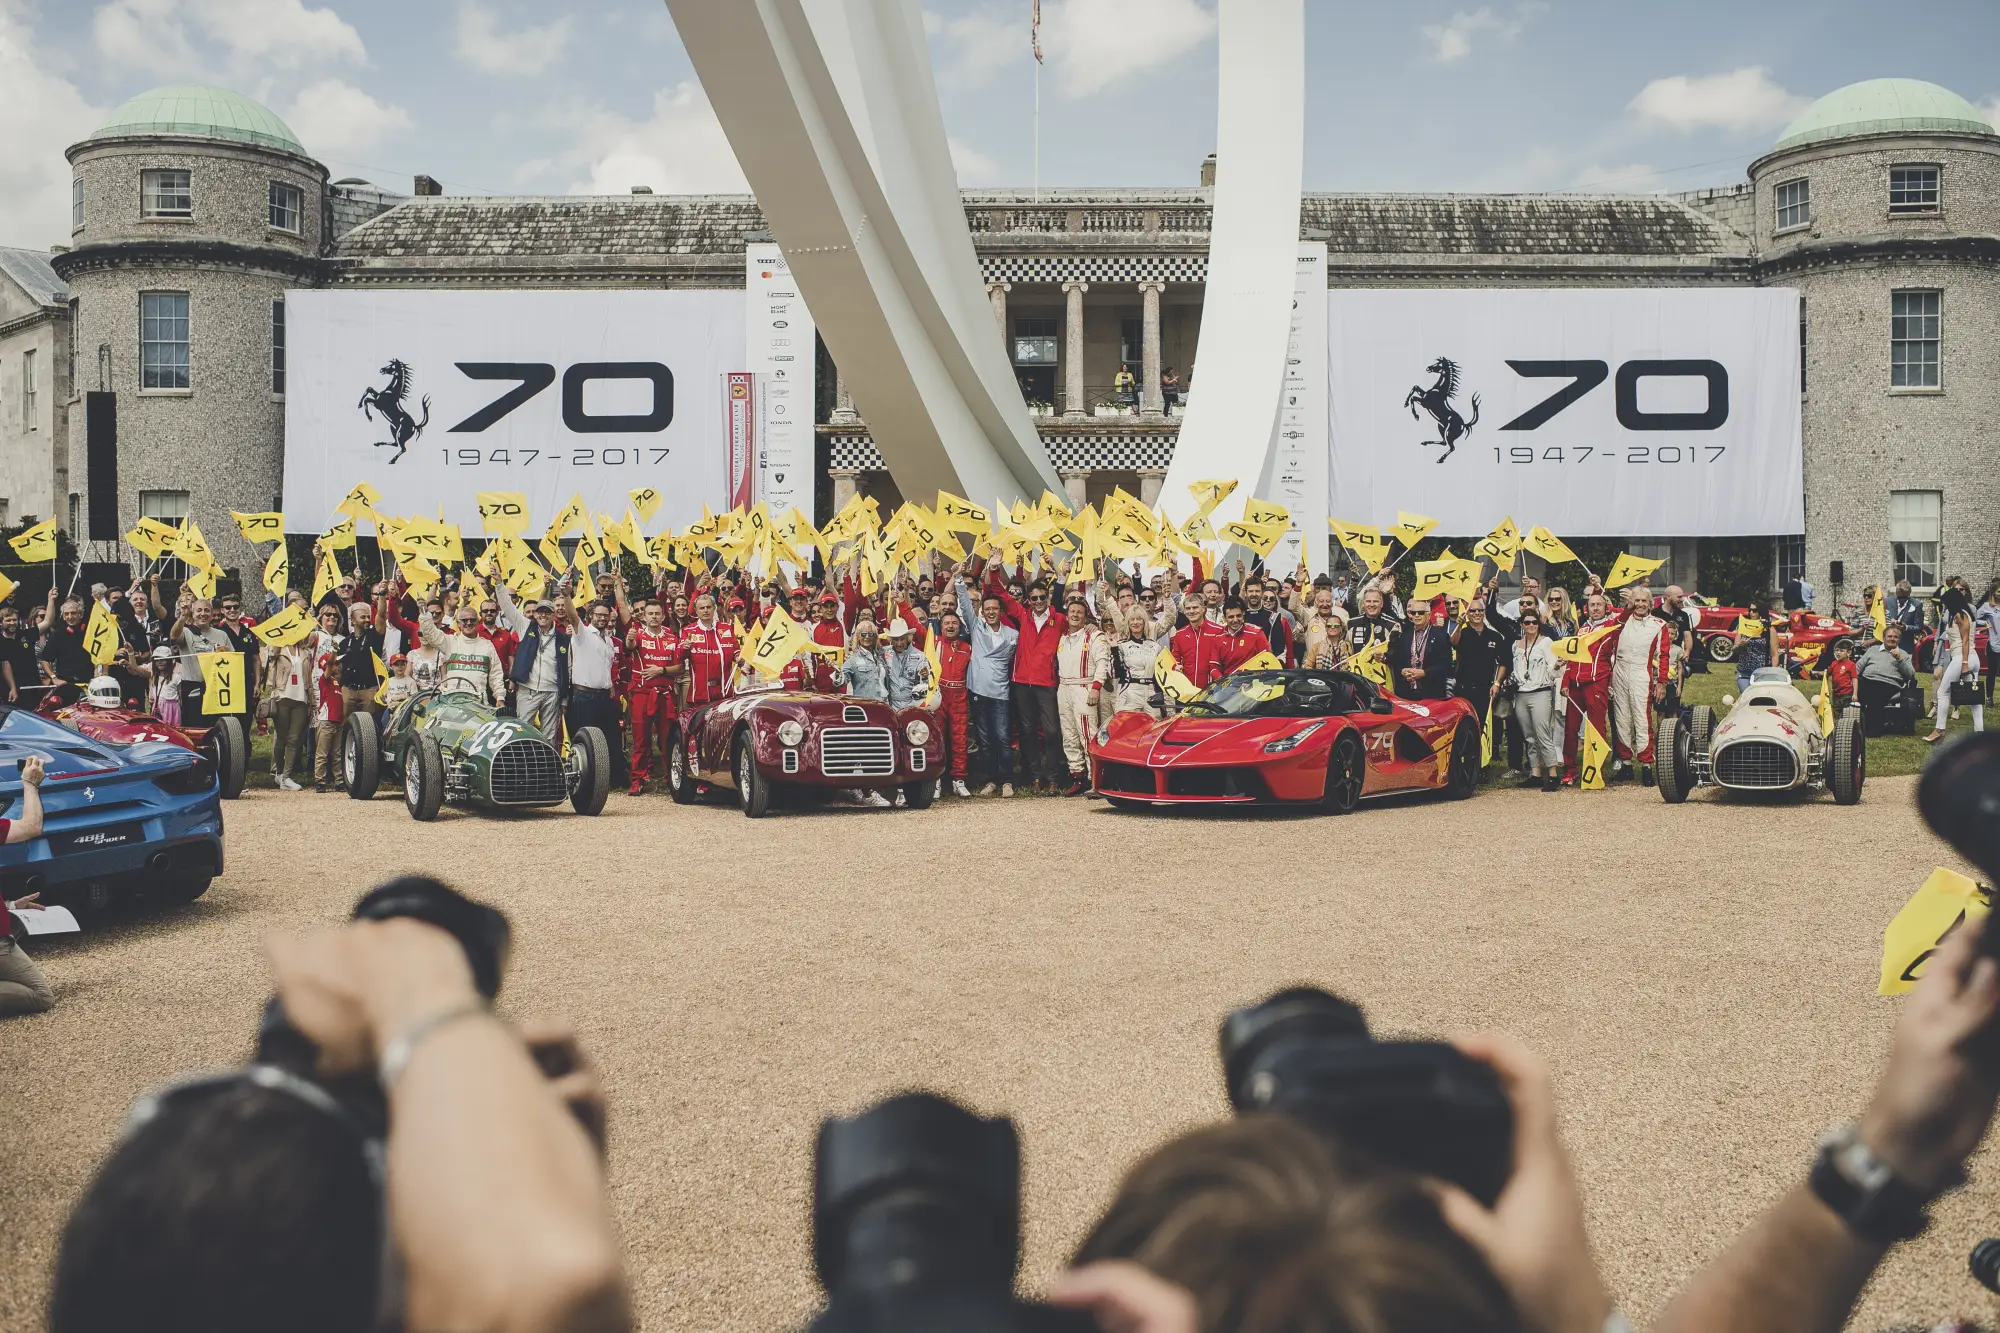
[919, 795]
[1848, 759]
[1721, 647]
[680, 778]
[178, 889]
[228, 745]
[361, 756]
[1462, 770]
[1701, 728]
[1346, 771]
[590, 770]
[753, 791]
[1673, 769]
[423, 778]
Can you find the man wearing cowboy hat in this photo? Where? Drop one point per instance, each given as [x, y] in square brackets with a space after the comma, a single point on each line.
[909, 671]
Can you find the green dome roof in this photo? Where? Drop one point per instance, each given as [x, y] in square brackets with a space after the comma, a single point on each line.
[202, 112]
[1884, 106]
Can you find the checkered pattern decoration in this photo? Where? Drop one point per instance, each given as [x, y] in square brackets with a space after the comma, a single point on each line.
[1095, 268]
[1069, 450]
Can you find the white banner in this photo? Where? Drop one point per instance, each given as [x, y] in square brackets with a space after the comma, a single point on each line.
[1297, 470]
[1628, 413]
[778, 345]
[433, 396]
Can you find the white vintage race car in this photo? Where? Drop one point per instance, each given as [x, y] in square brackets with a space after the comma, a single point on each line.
[1770, 740]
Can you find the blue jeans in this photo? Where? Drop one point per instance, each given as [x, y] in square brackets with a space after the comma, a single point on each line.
[996, 745]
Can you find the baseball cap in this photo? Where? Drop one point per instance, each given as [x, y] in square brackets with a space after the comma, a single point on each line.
[163, 653]
[828, 599]
[545, 605]
[394, 658]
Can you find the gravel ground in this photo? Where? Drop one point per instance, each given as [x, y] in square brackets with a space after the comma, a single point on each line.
[1702, 983]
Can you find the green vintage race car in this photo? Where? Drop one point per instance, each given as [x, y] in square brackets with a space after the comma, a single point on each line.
[457, 748]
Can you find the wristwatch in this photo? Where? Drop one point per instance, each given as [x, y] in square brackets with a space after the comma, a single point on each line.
[1865, 1191]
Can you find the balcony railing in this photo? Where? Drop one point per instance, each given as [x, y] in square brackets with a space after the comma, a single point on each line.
[1087, 221]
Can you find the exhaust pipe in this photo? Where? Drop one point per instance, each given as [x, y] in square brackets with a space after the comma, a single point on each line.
[160, 862]
[32, 884]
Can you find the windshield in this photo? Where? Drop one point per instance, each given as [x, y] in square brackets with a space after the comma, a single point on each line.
[1282, 694]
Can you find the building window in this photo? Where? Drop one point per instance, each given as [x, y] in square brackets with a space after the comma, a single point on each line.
[1131, 342]
[1913, 189]
[29, 421]
[1794, 204]
[1802, 346]
[76, 203]
[1916, 529]
[1915, 320]
[166, 194]
[75, 332]
[1035, 342]
[163, 340]
[75, 514]
[1791, 559]
[285, 207]
[278, 346]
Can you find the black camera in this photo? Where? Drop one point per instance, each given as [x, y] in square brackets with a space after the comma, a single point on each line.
[917, 1223]
[1424, 1106]
[480, 930]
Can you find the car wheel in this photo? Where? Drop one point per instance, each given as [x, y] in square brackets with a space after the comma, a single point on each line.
[680, 776]
[918, 795]
[1462, 772]
[423, 777]
[1346, 770]
[361, 756]
[1701, 729]
[1673, 770]
[1721, 647]
[1847, 758]
[589, 770]
[228, 745]
[753, 791]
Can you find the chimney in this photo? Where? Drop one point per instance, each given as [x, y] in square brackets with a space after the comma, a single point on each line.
[642, 189]
[425, 185]
[1208, 172]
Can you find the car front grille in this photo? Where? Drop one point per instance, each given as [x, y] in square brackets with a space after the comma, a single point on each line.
[1756, 764]
[857, 752]
[1219, 782]
[528, 772]
[853, 713]
[1114, 777]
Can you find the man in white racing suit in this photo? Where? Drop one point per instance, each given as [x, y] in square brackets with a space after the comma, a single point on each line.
[1641, 665]
[1083, 663]
[467, 663]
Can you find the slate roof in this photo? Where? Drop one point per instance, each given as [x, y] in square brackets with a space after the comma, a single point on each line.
[447, 228]
[30, 271]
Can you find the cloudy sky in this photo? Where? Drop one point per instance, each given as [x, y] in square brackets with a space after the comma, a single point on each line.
[513, 97]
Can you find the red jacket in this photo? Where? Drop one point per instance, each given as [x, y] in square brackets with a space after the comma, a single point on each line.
[505, 642]
[1240, 647]
[1599, 666]
[1035, 651]
[1842, 674]
[661, 648]
[710, 655]
[954, 655]
[1198, 650]
[827, 633]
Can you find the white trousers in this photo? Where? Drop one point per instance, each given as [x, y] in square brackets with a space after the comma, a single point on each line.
[1632, 712]
[1078, 721]
[1945, 679]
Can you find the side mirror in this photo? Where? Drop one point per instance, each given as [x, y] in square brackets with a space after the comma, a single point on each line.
[1728, 699]
[1380, 705]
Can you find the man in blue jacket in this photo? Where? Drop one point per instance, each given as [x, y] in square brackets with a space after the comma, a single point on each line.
[989, 677]
[540, 669]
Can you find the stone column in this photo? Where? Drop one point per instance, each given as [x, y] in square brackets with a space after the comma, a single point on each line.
[1077, 482]
[843, 403]
[1150, 480]
[1150, 401]
[996, 292]
[1073, 405]
[844, 484]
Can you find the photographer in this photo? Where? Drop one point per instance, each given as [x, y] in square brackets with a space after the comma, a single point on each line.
[240, 1202]
[23, 990]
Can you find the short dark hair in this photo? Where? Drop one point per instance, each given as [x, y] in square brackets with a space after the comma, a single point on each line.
[1233, 603]
[237, 1211]
[1207, 583]
[1039, 585]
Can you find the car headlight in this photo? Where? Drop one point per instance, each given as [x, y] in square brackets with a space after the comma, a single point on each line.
[1292, 741]
[918, 731]
[790, 732]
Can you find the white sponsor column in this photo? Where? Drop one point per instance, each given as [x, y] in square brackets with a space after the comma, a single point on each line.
[1297, 475]
[778, 347]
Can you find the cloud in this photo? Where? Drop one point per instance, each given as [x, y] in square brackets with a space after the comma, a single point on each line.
[1453, 40]
[1093, 44]
[141, 34]
[678, 149]
[43, 114]
[336, 120]
[1743, 99]
[969, 49]
[970, 165]
[524, 51]
[1989, 111]
[253, 34]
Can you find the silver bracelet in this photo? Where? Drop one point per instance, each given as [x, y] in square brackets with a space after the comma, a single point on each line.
[396, 1054]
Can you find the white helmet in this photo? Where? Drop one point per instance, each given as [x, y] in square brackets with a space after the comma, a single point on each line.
[104, 692]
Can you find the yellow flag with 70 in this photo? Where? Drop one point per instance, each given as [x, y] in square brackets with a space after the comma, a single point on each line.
[1942, 904]
[100, 636]
[222, 682]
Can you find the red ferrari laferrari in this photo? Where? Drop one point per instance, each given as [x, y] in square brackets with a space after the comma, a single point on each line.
[1299, 738]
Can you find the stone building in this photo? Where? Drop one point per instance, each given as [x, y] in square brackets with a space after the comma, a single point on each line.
[35, 375]
[197, 210]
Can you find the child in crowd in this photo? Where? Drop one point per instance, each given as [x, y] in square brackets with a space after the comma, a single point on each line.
[164, 693]
[402, 685]
[1841, 674]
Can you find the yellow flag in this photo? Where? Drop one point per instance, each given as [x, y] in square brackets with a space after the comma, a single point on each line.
[1943, 903]
[1371, 664]
[339, 537]
[1208, 494]
[1596, 754]
[645, 502]
[1749, 627]
[144, 541]
[286, 628]
[1576, 648]
[1364, 541]
[100, 636]
[202, 581]
[937, 670]
[571, 515]
[778, 643]
[37, 543]
[381, 675]
[1808, 655]
[502, 513]
[1173, 682]
[1876, 612]
[1548, 546]
[1629, 568]
[1409, 529]
[266, 527]
[961, 515]
[1262, 662]
[1447, 576]
[222, 682]
[421, 576]
[552, 553]
[1825, 707]
[360, 502]
[1259, 537]
[194, 548]
[589, 550]
[6, 587]
[1501, 545]
[326, 576]
[1486, 737]
[278, 571]
[1261, 512]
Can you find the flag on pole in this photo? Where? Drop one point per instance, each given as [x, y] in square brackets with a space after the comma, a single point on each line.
[1035, 32]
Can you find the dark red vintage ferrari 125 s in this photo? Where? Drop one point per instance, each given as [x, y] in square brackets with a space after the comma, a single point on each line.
[103, 716]
[763, 742]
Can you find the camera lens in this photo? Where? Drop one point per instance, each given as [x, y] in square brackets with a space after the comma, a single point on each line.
[1985, 1264]
[1300, 1013]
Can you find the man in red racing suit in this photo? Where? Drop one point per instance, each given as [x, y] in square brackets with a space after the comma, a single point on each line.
[656, 663]
[953, 709]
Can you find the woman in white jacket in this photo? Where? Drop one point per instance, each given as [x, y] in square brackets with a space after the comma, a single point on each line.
[1536, 674]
